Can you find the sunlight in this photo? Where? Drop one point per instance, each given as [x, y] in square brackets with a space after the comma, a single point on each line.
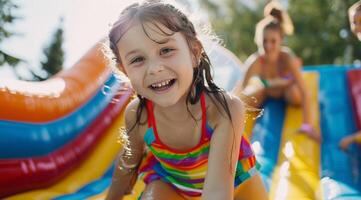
[288, 150]
[282, 189]
[257, 148]
[52, 88]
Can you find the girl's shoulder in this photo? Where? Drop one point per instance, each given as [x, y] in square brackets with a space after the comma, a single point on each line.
[216, 112]
[287, 53]
[290, 58]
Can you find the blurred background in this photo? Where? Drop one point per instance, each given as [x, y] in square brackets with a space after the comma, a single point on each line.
[39, 38]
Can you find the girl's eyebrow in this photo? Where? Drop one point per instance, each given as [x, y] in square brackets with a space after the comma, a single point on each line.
[163, 41]
[131, 52]
[166, 40]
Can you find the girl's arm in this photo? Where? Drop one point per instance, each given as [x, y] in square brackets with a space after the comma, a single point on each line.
[125, 173]
[224, 150]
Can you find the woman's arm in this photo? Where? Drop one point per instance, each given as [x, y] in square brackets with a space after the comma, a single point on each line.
[294, 66]
[223, 155]
[125, 172]
[251, 70]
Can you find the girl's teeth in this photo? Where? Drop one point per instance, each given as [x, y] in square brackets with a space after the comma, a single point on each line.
[164, 83]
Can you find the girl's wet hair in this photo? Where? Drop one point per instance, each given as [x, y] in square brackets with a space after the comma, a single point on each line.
[158, 12]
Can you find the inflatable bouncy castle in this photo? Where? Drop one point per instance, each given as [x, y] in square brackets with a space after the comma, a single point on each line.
[58, 138]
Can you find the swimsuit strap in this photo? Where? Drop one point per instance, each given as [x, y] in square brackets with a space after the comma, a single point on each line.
[151, 118]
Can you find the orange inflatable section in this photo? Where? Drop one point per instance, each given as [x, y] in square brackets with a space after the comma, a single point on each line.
[56, 97]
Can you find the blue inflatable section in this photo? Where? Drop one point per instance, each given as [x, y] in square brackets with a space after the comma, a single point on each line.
[18, 140]
[267, 131]
[340, 170]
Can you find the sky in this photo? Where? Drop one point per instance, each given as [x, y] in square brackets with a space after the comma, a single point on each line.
[85, 23]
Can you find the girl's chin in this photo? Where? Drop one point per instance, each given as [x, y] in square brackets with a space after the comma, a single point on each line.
[165, 103]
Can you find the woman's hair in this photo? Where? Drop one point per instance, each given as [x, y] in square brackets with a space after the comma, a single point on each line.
[275, 18]
[158, 12]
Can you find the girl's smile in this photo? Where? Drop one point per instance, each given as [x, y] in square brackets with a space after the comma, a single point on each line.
[162, 86]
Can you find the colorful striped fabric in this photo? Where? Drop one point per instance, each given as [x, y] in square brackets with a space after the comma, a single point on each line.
[185, 171]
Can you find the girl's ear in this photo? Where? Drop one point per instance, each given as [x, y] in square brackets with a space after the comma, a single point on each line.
[196, 52]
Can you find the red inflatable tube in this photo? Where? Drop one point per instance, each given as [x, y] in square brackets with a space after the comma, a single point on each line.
[18, 175]
[354, 80]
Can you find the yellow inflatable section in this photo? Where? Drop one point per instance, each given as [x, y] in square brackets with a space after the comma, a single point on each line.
[297, 174]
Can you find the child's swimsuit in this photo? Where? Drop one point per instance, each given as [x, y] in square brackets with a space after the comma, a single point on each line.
[185, 171]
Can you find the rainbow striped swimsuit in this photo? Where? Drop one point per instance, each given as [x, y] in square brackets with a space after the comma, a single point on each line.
[185, 171]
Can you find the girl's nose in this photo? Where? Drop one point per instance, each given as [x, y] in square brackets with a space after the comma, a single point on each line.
[155, 67]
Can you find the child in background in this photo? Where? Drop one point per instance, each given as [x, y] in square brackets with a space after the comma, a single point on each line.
[184, 133]
[354, 13]
[274, 71]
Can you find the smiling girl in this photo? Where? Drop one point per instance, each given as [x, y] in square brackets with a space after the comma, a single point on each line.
[184, 132]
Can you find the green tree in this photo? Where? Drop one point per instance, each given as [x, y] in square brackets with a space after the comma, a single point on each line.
[322, 33]
[54, 55]
[6, 19]
[235, 22]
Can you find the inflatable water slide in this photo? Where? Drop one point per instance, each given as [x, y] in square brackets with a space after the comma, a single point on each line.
[58, 138]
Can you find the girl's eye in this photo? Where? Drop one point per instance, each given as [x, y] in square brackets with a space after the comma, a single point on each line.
[137, 60]
[165, 51]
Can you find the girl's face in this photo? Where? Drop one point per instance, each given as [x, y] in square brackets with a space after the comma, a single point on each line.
[272, 42]
[160, 71]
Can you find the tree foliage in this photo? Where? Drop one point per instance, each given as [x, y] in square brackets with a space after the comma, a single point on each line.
[322, 33]
[6, 19]
[234, 22]
[54, 55]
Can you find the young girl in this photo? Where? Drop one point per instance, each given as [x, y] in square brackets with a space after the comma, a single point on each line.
[184, 133]
[274, 71]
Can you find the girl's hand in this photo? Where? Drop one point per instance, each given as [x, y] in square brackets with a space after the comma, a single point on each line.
[346, 141]
[310, 132]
